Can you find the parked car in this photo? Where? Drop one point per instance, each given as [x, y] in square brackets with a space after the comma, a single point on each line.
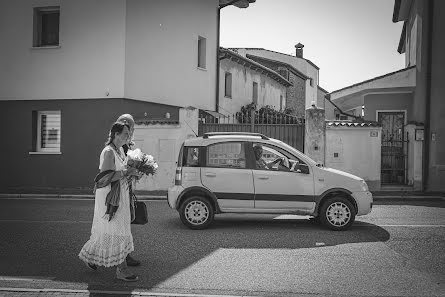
[219, 173]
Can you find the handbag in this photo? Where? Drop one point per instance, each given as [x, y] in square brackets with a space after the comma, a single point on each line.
[140, 213]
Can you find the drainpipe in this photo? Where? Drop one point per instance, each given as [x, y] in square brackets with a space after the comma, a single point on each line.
[217, 59]
[426, 155]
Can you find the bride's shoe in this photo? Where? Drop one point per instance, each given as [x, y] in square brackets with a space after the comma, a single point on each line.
[91, 266]
[125, 275]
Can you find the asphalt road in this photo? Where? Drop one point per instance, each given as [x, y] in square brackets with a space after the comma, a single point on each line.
[397, 250]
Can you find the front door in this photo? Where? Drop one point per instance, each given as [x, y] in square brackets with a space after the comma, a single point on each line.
[227, 176]
[394, 163]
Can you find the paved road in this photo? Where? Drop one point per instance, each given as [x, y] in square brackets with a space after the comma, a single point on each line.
[397, 250]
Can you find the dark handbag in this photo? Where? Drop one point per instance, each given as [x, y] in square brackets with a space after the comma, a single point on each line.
[140, 213]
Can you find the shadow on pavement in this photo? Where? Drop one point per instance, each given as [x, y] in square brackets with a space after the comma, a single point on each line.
[165, 246]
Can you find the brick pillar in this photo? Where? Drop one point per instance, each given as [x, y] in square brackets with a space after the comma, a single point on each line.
[315, 134]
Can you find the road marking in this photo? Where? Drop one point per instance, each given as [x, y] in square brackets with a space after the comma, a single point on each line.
[32, 221]
[153, 199]
[126, 293]
[399, 225]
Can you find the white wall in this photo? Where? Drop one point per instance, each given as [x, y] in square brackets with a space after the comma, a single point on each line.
[162, 52]
[359, 152]
[138, 49]
[269, 90]
[88, 63]
[163, 142]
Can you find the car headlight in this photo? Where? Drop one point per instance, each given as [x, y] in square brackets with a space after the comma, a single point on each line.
[364, 186]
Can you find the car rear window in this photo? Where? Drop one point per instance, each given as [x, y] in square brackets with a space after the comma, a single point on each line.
[229, 155]
[190, 156]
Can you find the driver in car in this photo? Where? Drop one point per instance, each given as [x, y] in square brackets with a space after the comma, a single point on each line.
[260, 162]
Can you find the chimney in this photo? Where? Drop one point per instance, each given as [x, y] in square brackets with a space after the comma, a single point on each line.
[299, 50]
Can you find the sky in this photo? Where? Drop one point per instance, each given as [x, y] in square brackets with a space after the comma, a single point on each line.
[349, 40]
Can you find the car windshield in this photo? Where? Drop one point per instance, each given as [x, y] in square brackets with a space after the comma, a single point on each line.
[295, 151]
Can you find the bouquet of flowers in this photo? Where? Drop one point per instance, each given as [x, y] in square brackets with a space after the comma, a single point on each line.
[144, 163]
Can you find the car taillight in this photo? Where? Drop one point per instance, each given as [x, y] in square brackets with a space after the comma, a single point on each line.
[178, 176]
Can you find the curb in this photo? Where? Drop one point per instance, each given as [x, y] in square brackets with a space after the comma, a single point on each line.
[68, 196]
[164, 197]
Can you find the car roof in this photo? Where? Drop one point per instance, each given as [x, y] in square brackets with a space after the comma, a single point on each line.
[204, 141]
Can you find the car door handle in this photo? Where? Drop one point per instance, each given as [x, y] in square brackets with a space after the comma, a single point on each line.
[263, 177]
[209, 174]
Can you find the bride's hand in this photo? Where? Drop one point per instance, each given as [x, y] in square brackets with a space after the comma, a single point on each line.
[132, 171]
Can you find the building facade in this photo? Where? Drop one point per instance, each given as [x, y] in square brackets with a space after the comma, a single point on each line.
[243, 81]
[301, 72]
[408, 103]
[70, 68]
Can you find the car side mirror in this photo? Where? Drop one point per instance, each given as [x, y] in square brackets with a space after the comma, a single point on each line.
[301, 168]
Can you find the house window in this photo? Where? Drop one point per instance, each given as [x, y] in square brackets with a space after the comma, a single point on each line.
[281, 102]
[228, 85]
[48, 131]
[46, 26]
[201, 52]
[311, 82]
[255, 93]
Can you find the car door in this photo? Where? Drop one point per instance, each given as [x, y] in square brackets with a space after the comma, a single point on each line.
[279, 187]
[227, 175]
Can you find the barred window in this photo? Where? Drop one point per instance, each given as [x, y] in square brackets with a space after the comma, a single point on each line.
[48, 131]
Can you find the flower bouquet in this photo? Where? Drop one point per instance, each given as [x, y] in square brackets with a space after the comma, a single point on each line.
[145, 164]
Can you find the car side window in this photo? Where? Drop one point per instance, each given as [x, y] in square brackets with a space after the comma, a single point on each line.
[269, 158]
[226, 155]
[191, 157]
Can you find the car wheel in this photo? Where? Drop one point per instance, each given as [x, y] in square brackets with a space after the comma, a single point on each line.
[196, 212]
[337, 213]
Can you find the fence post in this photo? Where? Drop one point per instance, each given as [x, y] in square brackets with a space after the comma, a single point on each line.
[315, 134]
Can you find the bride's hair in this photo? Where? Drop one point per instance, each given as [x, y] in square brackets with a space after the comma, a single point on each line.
[117, 127]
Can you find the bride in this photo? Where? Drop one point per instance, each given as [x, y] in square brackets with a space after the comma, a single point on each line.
[111, 239]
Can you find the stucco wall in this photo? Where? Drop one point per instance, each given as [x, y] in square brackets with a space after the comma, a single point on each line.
[301, 64]
[162, 52]
[296, 93]
[269, 90]
[88, 63]
[355, 150]
[163, 142]
[134, 49]
[84, 130]
[388, 101]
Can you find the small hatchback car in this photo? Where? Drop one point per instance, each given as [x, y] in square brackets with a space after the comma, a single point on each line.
[236, 172]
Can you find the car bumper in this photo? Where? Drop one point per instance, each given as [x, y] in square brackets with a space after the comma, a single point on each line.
[173, 194]
[364, 202]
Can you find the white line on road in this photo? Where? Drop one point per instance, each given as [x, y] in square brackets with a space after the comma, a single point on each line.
[32, 221]
[140, 293]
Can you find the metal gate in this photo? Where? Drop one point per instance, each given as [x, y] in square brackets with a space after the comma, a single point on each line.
[287, 129]
[394, 166]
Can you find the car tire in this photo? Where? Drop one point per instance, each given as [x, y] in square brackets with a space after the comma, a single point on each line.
[196, 212]
[337, 213]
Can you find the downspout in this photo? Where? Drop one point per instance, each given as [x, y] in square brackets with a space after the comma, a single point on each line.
[429, 41]
[217, 58]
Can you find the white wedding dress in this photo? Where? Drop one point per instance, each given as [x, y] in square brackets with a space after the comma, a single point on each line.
[110, 241]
